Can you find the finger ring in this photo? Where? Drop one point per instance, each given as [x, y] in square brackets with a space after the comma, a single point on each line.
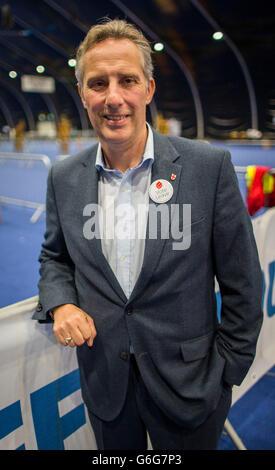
[68, 340]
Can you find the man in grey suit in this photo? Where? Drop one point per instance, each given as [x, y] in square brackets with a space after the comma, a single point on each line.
[138, 228]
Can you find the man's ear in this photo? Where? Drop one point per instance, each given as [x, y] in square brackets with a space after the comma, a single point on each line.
[81, 96]
[150, 90]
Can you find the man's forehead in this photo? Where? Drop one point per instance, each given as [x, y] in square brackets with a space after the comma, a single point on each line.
[112, 48]
[119, 53]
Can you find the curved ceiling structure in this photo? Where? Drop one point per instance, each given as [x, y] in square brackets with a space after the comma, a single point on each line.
[213, 87]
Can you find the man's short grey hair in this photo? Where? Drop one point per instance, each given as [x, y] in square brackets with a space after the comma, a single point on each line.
[116, 29]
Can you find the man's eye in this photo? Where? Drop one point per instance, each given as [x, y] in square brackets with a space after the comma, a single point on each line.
[96, 85]
[99, 84]
[129, 80]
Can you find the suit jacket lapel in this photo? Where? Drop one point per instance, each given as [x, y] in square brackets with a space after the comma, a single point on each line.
[164, 167]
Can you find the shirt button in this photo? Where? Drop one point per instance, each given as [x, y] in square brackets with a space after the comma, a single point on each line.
[124, 355]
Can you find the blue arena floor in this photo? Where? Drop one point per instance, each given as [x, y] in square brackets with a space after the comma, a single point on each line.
[20, 242]
[253, 417]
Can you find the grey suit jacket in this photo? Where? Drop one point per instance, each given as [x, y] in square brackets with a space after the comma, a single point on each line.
[184, 354]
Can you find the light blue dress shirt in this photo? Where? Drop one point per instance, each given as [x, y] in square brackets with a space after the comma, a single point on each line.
[124, 200]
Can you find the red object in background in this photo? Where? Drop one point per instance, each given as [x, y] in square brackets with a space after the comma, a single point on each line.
[255, 195]
[269, 198]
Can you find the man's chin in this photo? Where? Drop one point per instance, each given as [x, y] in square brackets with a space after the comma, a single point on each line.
[115, 135]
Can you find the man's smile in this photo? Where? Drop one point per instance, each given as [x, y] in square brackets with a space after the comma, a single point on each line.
[115, 117]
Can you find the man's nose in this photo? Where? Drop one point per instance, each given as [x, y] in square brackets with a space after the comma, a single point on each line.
[113, 95]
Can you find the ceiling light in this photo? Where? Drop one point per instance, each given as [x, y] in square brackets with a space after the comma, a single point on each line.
[158, 46]
[12, 74]
[40, 69]
[72, 62]
[217, 35]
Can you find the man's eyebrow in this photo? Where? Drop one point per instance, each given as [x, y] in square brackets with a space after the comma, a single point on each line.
[103, 76]
[96, 77]
[129, 74]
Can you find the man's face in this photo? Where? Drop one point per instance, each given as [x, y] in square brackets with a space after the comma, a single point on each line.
[115, 92]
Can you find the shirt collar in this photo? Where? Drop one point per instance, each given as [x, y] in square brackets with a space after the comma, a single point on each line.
[147, 156]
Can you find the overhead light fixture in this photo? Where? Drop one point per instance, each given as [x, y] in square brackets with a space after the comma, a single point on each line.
[71, 62]
[217, 35]
[158, 46]
[12, 74]
[40, 69]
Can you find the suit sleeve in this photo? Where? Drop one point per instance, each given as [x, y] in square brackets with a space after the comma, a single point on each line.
[239, 276]
[56, 285]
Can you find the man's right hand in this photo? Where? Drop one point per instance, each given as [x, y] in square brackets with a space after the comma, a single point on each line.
[72, 322]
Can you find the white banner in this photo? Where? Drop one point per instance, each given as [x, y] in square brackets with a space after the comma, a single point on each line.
[264, 231]
[40, 398]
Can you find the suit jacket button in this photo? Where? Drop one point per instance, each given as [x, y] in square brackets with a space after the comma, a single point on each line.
[129, 310]
[124, 355]
[39, 307]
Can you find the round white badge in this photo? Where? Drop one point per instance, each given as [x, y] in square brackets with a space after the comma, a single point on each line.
[161, 191]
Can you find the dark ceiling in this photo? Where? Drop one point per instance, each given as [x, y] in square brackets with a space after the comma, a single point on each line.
[212, 87]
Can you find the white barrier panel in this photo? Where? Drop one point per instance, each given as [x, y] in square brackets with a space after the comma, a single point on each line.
[40, 399]
[264, 231]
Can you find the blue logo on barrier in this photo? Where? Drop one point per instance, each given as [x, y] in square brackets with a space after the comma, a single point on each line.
[269, 307]
[10, 420]
[50, 428]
